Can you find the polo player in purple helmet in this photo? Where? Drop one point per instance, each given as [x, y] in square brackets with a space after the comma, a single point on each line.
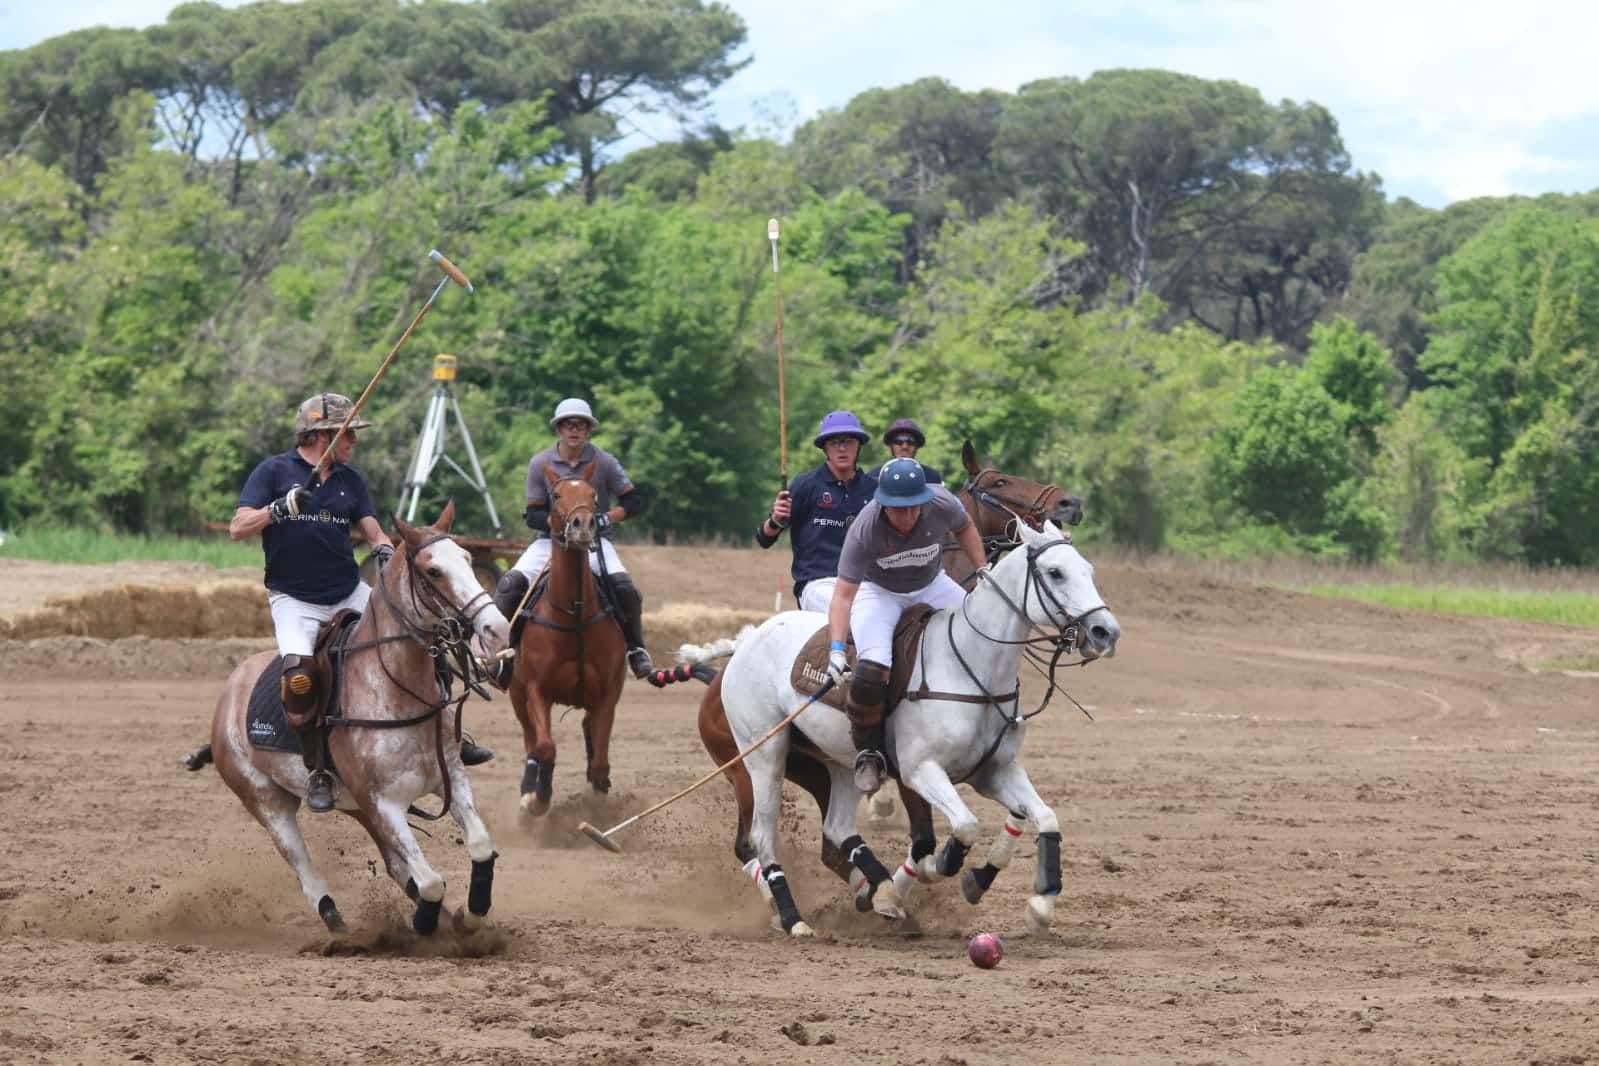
[892, 558]
[819, 507]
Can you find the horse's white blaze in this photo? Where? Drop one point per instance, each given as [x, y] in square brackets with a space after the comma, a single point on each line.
[935, 741]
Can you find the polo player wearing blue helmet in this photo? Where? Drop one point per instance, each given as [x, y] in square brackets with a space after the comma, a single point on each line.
[818, 508]
[891, 560]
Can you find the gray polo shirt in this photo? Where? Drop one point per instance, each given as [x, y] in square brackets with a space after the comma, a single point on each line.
[874, 550]
[609, 478]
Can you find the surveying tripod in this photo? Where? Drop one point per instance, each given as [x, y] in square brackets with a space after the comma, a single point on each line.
[430, 445]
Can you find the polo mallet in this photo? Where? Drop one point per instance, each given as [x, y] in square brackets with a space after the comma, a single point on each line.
[451, 273]
[604, 839]
[772, 229]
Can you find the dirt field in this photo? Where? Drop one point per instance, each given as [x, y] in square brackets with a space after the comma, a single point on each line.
[1297, 831]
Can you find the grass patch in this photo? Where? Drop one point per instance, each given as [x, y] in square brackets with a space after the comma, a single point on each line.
[55, 544]
[1569, 608]
[1589, 663]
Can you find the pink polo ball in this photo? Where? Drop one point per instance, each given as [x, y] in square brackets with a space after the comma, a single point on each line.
[986, 950]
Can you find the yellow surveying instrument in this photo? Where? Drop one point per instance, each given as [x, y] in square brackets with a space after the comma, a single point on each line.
[430, 445]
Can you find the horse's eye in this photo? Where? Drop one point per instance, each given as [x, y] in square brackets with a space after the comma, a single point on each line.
[434, 571]
[999, 483]
[1055, 573]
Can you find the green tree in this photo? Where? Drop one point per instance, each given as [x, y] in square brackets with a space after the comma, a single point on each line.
[1357, 372]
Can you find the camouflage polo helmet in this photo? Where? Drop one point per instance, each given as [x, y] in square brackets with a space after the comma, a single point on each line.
[325, 410]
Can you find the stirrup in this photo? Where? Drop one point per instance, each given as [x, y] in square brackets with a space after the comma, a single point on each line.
[319, 792]
[870, 769]
[639, 660]
[473, 753]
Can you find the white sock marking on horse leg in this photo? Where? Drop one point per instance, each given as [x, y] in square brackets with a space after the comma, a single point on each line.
[429, 885]
[905, 878]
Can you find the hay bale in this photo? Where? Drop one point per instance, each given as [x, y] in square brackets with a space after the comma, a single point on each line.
[676, 624]
[212, 610]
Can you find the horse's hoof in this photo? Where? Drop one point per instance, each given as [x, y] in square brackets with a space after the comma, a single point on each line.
[863, 899]
[800, 929]
[331, 916]
[1040, 914]
[971, 889]
[882, 804]
[464, 922]
[886, 901]
[532, 804]
[602, 787]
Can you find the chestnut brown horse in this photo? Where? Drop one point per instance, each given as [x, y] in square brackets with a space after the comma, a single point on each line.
[396, 731]
[571, 649]
[995, 501]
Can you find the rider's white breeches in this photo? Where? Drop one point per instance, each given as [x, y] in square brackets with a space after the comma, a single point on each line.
[876, 612]
[818, 594]
[296, 621]
[538, 553]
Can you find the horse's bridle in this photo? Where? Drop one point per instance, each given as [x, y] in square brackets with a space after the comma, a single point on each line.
[566, 518]
[1028, 511]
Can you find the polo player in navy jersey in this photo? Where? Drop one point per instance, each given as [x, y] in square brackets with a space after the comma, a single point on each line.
[311, 572]
[818, 508]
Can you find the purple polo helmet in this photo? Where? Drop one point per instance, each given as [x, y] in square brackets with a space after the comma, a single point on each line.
[841, 424]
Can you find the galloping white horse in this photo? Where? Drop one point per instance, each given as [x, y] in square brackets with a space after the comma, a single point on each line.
[971, 653]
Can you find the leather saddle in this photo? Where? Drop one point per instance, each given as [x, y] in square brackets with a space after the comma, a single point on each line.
[810, 666]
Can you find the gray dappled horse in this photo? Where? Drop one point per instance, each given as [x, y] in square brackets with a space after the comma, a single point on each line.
[395, 739]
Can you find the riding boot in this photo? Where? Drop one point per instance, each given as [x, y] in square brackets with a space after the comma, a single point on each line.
[631, 602]
[507, 597]
[473, 753]
[298, 689]
[868, 691]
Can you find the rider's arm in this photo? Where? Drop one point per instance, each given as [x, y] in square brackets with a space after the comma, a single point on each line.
[838, 611]
[248, 521]
[627, 505]
[777, 520]
[971, 543]
[537, 515]
[375, 537]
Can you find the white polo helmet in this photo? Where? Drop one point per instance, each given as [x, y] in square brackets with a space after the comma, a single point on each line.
[572, 407]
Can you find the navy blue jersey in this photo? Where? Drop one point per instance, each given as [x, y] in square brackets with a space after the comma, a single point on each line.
[309, 557]
[824, 507]
[932, 474]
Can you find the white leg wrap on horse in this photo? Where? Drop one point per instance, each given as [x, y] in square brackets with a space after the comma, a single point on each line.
[999, 855]
[752, 869]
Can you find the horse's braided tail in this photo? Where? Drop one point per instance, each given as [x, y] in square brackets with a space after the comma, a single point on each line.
[694, 660]
[198, 759]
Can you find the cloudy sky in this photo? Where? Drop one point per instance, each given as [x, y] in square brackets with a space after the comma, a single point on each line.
[1444, 100]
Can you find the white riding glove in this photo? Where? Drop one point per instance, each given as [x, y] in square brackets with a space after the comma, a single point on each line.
[837, 663]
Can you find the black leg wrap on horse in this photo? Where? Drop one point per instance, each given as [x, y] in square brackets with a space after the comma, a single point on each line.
[1048, 864]
[952, 858]
[921, 848]
[782, 898]
[532, 774]
[834, 859]
[978, 881]
[480, 894]
[330, 914]
[426, 919]
[860, 856]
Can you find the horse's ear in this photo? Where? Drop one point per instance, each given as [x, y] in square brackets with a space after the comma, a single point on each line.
[409, 534]
[551, 478]
[969, 459]
[446, 516]
[588, 471]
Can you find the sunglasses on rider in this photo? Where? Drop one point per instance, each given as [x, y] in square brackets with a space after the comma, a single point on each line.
[902, 440]
[571, 423]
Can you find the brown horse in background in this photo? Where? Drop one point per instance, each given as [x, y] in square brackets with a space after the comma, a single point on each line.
[571, 650]
[994, 501]
[396, 733]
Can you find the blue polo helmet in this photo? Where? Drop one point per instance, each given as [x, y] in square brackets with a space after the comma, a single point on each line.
[840, 424]
[903, 483]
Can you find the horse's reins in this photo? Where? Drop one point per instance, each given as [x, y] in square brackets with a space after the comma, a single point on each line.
[1021, 511]
[446, 644]
[1068, 635]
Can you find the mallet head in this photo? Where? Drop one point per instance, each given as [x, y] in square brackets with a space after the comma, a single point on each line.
[450, 269]
[771, 229]
[599, 838]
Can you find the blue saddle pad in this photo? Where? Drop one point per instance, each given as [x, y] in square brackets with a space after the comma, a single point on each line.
[265, 723]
